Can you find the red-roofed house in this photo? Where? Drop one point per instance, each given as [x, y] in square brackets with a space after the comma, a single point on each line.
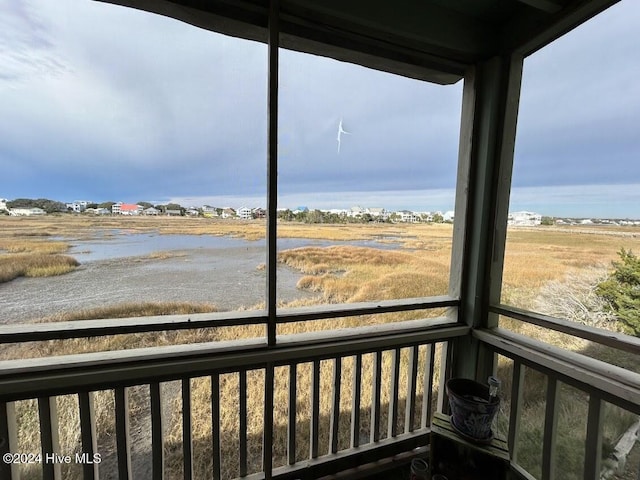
[126, 208]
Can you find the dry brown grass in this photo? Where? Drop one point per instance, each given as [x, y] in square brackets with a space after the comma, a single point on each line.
[535, 257]
[356, 274]
[34, 265]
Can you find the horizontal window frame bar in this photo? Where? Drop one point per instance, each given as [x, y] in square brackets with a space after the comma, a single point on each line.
[320, 312]
[611, 383]
[37, 332]
[22, 379]
[615, 340]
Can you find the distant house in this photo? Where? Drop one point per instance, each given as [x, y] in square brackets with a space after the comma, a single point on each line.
[426, 216]
[192, 212]
[98, 211]
[126, 208]
[259, 212]
[3, 204]
[170, 212]
[244, 213]
[151, 211]
[378, 213]
[228, 213]
[524, 218]
[356, 211]
[208, 211]
[78, 206]
[407, 216]
[26, 212]
[448, 216]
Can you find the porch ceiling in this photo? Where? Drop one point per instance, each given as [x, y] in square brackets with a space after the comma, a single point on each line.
[434, 40]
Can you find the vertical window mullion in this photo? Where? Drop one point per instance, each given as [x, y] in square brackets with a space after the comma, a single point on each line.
[272, 171]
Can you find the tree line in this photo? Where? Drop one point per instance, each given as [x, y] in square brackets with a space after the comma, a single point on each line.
[55, 206]
[320, 216]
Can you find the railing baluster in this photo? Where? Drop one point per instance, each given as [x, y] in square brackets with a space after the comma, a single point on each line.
[123, 439]
[335, 406]
[8, 440]
[517, 388]
[215, 424]
[446, 357]
[315, 408]
[427, 385]
[48, 412]
[355, 404]
[88, 435]
[392, 419]
[157, 437]
[267, 433]
[375, 397]
[550, 427]
[187, 433]
[242, 394]
[593, 448]
[410, 410]
[291, 424]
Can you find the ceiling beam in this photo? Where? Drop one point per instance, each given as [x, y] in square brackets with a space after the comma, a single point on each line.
[547, 6]
[526, 34]
[311, 32]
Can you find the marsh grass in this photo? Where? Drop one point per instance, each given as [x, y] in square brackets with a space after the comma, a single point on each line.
[34, 265]
[358, 274]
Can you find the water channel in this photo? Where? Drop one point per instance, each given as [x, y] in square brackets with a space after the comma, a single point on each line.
[120, 267]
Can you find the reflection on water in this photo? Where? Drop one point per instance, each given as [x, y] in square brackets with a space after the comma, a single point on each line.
[142, 244]
[120, 268]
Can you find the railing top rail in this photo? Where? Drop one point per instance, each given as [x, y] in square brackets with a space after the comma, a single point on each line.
[603, 337]
[16, 333]
[103, 370]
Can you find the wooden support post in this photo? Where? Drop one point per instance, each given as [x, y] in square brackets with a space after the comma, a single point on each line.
[487, 139]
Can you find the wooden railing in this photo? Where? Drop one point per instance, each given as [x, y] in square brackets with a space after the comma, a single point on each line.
[601, 382]
[322, 402]
[366, 393]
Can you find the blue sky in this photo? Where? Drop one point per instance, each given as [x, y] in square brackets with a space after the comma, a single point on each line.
[101, 102]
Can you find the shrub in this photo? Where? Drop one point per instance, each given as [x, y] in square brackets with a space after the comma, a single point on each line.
[622, 291]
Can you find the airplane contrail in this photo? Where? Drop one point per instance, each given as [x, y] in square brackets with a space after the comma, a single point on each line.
[340, 132]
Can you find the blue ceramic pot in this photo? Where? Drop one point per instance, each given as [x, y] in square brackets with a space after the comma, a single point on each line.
[472, 411]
